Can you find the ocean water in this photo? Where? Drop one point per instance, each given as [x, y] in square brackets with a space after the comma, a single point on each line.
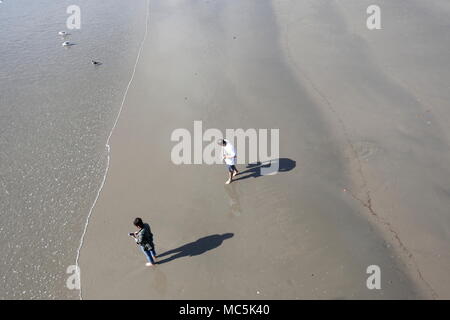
[56, 113]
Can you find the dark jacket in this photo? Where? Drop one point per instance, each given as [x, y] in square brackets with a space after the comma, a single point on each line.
[145, 238]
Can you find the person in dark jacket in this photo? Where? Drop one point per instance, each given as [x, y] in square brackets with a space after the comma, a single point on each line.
[144, 238]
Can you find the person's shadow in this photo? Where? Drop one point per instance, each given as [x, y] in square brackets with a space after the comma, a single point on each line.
[195, 248]
[254, 169]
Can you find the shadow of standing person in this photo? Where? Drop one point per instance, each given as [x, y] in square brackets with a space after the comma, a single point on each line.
[254, 169]
[195, 248]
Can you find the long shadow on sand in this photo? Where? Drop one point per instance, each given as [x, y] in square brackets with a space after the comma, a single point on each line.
[254, 169]
[195, 248]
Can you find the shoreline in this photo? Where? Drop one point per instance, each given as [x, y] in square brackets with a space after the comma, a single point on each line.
[108, 148]
[57, 111]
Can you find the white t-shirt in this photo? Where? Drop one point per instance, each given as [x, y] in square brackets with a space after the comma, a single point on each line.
[229, 151]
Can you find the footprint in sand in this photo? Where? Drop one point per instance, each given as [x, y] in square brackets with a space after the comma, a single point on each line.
[366, 149]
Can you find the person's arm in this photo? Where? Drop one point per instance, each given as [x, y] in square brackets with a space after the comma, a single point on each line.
[139, 236]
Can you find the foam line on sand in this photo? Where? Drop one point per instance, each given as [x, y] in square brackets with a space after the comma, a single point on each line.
[108, 148]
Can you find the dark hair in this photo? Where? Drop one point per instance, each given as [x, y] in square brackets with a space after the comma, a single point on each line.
[138, 223]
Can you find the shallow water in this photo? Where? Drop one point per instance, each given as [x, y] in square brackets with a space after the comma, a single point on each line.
[56, 112]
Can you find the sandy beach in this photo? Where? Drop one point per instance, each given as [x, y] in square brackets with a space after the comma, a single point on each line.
[364, 146]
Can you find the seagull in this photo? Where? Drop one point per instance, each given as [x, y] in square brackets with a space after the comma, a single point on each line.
[96, 63]
[63, 33]
[66, 44]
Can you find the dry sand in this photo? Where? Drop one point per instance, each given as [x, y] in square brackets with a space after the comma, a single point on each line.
[363, 114]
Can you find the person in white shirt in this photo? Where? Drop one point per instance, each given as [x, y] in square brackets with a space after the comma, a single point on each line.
[229, 156]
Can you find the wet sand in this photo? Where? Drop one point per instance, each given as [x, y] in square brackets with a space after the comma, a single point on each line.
[365, 176]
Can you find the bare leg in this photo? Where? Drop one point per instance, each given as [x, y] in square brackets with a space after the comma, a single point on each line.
[230, 174]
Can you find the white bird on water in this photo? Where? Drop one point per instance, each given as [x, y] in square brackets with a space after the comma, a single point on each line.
[66, 44]
[61, 33]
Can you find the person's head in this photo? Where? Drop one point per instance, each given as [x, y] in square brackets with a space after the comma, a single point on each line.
[138, 223]
[222, 142]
